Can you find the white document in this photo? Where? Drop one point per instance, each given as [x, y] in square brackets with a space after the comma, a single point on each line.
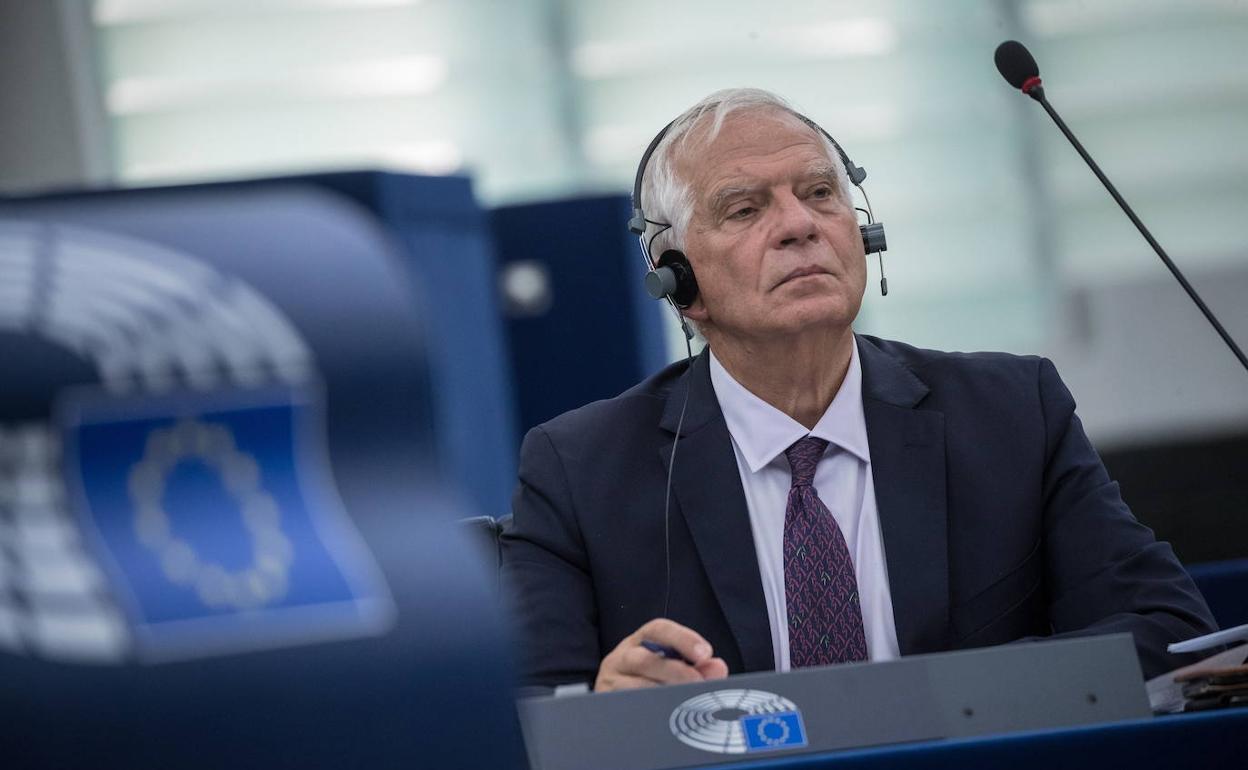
[1236, 634]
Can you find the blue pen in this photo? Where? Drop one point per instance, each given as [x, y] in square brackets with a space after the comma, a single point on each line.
[664, 650]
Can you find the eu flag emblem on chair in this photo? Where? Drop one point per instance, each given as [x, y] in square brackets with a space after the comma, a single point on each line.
[216, 517]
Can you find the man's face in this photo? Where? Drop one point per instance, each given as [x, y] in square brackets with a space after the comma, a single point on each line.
[775, 248]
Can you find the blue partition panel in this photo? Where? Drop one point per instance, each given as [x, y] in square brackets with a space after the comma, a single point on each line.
[590, 331]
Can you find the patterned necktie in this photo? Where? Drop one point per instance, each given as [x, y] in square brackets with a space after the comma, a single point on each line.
[820, 587]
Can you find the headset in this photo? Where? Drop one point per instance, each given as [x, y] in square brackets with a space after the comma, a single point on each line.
[671, 276]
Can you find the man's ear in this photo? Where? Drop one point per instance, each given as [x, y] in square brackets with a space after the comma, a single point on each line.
[697, 311]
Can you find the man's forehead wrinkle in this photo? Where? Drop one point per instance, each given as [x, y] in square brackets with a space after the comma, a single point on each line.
[743, 140]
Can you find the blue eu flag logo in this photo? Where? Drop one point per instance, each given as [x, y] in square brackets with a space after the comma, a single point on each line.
[217, 517]
[779, 730]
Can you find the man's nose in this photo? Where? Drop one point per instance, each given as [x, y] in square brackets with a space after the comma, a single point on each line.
[795, 223]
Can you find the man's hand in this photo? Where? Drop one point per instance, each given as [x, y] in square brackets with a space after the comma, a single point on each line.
[630, 665]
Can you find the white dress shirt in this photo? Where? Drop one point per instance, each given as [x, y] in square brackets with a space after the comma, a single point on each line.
[760, 434]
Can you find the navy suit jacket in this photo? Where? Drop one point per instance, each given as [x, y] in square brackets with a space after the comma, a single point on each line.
[998, 518]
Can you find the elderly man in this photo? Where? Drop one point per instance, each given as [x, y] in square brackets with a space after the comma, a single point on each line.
[833, 497]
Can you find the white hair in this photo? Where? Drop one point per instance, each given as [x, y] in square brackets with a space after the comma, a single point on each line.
[667, 199]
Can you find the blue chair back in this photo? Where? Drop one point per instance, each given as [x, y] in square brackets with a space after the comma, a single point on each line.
[1224, 584]
[225, 538]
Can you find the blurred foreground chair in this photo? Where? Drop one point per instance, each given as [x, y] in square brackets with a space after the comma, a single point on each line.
[224, 537]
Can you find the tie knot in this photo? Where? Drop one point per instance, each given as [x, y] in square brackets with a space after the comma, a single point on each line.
[803, 457]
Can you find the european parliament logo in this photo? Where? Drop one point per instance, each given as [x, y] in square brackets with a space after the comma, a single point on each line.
[738, 721]
[212, 518]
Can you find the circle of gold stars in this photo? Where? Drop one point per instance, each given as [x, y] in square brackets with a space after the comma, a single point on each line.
[259, 583]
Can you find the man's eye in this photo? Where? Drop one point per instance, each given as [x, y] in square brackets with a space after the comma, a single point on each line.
[741, 213]
[821, 192]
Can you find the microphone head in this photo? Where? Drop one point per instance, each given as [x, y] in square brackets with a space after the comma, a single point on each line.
[1015, 63]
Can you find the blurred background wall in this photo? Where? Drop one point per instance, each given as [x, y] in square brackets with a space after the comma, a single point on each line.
[999, 238]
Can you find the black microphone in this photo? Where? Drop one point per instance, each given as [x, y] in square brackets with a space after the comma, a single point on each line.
[1018, 66]
[1020, 70]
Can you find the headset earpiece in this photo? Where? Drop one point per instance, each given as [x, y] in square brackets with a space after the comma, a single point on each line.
[873, 240]
[673, 277]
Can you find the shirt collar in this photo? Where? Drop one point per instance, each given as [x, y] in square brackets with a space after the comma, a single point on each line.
[762, 432]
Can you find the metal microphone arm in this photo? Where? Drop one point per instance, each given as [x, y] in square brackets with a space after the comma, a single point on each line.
[1037, 92]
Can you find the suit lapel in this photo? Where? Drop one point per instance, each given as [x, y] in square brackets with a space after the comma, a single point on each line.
[908, 465]
[706, 490]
